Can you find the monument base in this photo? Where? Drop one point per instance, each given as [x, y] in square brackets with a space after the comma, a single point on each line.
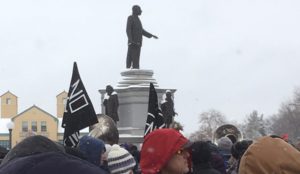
[133, 94]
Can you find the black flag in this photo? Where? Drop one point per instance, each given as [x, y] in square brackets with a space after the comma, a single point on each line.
[155, 119]
[79, 112]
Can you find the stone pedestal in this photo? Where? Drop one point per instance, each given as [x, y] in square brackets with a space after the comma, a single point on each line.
[133, 93]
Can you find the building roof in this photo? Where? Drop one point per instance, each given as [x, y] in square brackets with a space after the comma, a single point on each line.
[5, 121]
[61, 93]
[8, 92]
[34, 106]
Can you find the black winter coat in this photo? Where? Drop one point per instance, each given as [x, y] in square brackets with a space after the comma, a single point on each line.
[204, 169]
[49, 163]
[40, 155]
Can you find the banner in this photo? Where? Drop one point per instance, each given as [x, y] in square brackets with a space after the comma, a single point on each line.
[79, 112]
[155, 119]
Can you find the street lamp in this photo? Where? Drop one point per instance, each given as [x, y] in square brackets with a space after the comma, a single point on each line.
[10, 125]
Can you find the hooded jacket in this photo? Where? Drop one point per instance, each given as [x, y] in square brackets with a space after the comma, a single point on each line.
[270, 156]
[38, 154]
[158, 148]
[32, 145]
[92, 149]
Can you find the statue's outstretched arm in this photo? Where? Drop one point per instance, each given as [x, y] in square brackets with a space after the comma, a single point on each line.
[149, 35]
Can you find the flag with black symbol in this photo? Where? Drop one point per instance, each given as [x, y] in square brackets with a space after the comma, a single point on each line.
[155, 119]
[79, 112]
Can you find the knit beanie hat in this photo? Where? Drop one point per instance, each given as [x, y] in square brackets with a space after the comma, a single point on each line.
[120, 161]
[201, 152]
[158, 148]
[224, 143]
[239, 148]
[107, 148]
[92, 148]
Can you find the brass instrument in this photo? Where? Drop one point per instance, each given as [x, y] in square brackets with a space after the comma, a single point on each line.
[227, 130]
[105, 129]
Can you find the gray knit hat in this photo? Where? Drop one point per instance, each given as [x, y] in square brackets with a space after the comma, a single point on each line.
[224, 143]
[120, 161]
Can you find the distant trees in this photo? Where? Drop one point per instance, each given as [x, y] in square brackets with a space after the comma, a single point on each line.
[199, 136]
[254, 126]
[209, 122]
[287, 120]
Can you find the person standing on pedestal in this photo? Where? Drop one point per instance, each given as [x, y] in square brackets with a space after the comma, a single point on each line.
[135, 33]
[167, 108]
[111, 103]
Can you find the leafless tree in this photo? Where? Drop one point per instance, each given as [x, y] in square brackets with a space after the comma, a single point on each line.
[199, 136]
[210, 121]
[287, 120]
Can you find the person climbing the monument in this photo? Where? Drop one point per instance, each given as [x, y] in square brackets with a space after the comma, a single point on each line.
[167, 108]
[111, 103]
[135, 33]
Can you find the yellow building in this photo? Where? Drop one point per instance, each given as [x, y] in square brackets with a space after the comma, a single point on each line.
[9, 105]
[61, 101]
[32, 121]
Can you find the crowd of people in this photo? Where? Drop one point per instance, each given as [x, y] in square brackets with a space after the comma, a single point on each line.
[164, 151]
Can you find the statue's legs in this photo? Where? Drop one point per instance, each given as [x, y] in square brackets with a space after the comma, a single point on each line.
[168, 120]
[136, 58]
[129, 57]
[133, 57]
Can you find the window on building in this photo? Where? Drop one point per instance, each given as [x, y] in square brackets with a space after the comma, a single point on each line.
[43, 126]
[8, 101]
[4, 143]
[34, 126]
[61, 142]
[24, 126]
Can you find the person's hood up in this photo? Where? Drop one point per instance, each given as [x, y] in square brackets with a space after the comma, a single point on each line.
[92, 148]
[270, 156]
[50, 163]
[32, 145]
[158, 148]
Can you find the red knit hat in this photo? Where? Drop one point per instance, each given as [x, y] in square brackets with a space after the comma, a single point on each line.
[158, 148]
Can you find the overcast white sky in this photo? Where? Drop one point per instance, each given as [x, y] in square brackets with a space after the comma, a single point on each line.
[231, 55]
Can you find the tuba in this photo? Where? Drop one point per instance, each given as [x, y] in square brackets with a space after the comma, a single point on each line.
[105, 129]
[227, 130]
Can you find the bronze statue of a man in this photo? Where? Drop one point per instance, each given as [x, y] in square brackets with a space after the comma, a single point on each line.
[135, 33]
